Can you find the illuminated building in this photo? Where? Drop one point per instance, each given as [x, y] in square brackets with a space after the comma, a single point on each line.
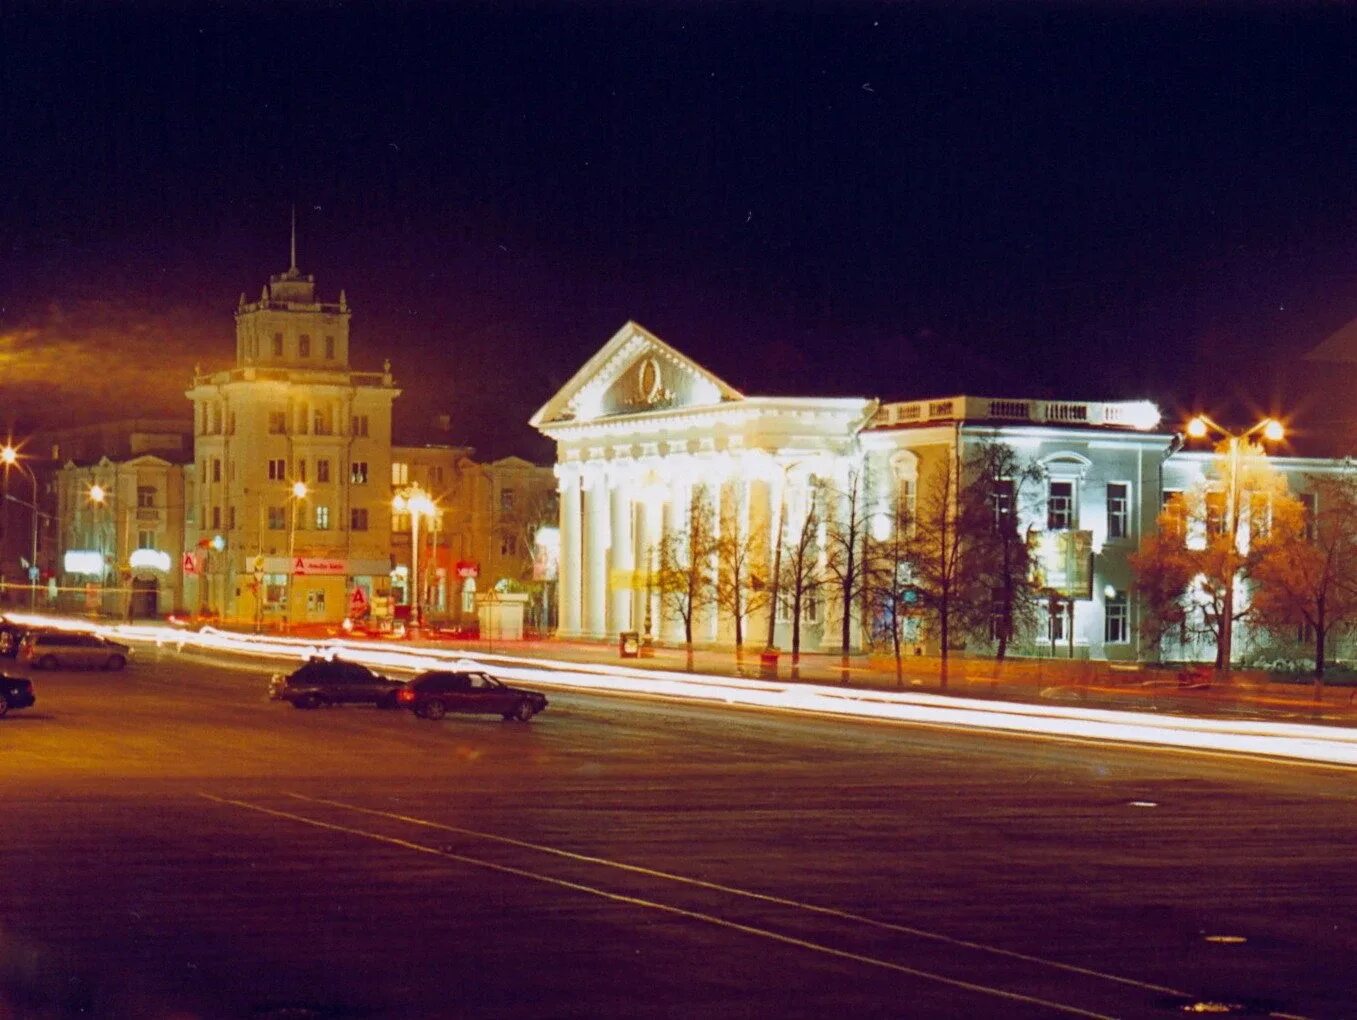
[641, 427]
[290, 410]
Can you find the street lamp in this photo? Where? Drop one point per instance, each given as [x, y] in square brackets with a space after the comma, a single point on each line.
[1199, 428]
[9, 456]
[299, 492]
[417, 504]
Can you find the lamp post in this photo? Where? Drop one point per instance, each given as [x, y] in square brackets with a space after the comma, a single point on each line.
[299, 492]
[1199, 428]
[9, 456]
[416, 503]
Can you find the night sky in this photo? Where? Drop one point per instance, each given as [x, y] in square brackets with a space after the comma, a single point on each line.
[894, 200]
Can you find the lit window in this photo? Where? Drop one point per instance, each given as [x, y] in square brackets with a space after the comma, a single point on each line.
[400, 473]
[1118, 510]
[1116, 629]
[322, 518]
[1215, 513]
[275, 590]
[358, 473]
[145, 539]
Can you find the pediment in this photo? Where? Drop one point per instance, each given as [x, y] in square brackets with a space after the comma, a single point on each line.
[635, 372]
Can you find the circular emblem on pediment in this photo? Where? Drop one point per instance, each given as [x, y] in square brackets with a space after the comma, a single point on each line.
[648, 381]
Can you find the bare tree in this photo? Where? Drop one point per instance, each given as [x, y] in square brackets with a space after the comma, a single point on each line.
[886, 588]
[541, 510]
[845, 559]
[738, 593]
[998, 494]
[685, 579]
[938, 544]
[800, 579]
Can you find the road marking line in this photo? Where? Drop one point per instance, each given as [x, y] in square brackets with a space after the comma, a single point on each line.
[665, 908]
[843, 915]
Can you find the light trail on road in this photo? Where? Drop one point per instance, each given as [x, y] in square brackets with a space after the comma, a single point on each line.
[1277, 741]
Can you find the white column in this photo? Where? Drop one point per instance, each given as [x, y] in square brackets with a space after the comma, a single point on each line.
[759, 497]
[648, 560]
[705, 627]
[675, 523]
[622, 558]
[568, 586]
[595, 554]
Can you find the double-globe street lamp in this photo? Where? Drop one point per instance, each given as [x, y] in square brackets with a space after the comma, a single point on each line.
[1199, 428]
[9, 456]
[415, 502]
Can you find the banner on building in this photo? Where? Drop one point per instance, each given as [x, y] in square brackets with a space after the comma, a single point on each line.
[1062, 562]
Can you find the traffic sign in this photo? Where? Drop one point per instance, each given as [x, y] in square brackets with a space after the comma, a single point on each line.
[190, 563]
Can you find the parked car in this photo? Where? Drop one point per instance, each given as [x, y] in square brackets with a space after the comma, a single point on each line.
[434, 694]
[322, 681]
[15, 692]
[51, 649]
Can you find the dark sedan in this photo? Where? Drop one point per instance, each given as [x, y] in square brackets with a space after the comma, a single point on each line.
[334, 682]
[15, 692]
[432, 695]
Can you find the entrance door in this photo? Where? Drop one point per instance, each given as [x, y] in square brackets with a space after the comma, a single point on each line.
[145, 598]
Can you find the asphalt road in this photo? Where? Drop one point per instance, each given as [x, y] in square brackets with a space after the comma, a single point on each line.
[174, 845]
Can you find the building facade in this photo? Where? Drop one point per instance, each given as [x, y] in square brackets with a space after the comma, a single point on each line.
[289, 507]
[640, 429]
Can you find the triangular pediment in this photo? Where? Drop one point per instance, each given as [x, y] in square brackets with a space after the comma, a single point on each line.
[635, 372]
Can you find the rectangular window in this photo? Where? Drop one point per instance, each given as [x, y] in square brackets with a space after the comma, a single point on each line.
[1308, 503]
[278, 470]
[1118, 510]
[202, 473]
[1060, 506]
[358, 518]
[304, 346]
[329, 348]
[216, 469]
[301, 470]
[400, 473]
[1215, 513]
[810, 608]
[1002, 499]
[230, 518]
[508, 545]
[907, 502]
[145, 539]
[277, 518]
[1116, 629]
[322, 469]
[275, 590]
[277, 345]
[322, 518]
[1055, 621]
[506, 501]
[400, 522]
[784, 607]
[358, 473]
[358, 425]
[216, 517]
[1260, 515]
[278, 423]
[145, 497]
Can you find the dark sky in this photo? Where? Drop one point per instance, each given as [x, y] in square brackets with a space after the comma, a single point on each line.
[891, 200]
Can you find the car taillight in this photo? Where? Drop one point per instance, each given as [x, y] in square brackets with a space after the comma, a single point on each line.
[406, 695]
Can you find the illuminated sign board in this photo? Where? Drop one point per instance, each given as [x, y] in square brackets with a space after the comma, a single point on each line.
[152, 559]
[1062, 562]
[83, 561]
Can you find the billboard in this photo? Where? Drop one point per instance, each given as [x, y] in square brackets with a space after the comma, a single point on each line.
[1062, 561]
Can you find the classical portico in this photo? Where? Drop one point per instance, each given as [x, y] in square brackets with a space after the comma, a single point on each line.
[641, 431]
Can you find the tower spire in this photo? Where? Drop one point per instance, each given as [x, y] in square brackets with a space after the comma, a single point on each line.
[292, 267]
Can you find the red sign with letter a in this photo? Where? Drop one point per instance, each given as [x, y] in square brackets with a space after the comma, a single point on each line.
[190, 563]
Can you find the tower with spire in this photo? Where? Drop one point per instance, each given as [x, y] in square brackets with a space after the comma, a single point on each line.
[291, 410]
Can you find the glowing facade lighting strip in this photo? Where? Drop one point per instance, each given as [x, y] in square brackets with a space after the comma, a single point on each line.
[1286, 741]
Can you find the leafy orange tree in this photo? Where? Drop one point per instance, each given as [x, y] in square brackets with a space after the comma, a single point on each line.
[1306, 575]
